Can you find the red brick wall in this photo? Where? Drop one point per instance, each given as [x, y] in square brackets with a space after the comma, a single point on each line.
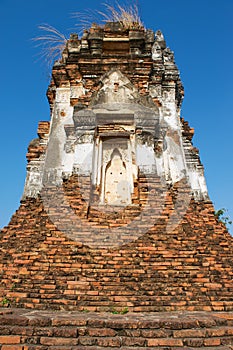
[189, 268]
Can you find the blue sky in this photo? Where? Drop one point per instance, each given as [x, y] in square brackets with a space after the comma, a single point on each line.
[200, 32]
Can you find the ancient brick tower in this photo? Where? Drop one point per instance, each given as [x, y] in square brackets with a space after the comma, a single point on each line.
[115, 211]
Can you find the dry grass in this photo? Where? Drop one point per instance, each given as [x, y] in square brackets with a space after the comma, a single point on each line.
[51, 43]
[127, 16]
[85, 19]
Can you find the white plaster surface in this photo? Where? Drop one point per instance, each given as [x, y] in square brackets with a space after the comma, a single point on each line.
[87, 159]
[145, 157]
[83, 158]
[117, 187]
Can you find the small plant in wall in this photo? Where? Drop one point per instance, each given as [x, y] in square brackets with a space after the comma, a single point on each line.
[6, 302]
[223, 217]
[123, 311]
[85, 311]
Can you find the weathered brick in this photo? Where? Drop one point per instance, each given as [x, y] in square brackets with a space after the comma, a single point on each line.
[58, 341]
[87, 341]
[9, 339]
[101, 332]
[156, 333]
[35, 347]
[45, 331]
[217, 332]
[68, 322]
[39, 321]
[4, 330]
[132, 342]
[227, 341]
[170, 342]
[109, 342]
[12, 347]
[65, 332]
[13, 320]
[152, 342]
[190, 333]
[194, 342]
[212, 342]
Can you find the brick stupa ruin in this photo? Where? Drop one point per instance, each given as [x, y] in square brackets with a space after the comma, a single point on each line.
[115, 212]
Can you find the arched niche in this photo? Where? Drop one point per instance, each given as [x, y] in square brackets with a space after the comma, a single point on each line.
[116, 181]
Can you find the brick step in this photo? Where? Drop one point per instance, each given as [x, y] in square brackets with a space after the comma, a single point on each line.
[37, 330]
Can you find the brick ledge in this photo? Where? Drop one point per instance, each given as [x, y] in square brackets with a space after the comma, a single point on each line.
[24, 329]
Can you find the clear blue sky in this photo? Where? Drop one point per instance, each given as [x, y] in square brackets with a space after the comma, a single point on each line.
[200, 32]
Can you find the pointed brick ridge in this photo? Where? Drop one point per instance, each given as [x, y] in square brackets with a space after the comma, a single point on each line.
[68, 247]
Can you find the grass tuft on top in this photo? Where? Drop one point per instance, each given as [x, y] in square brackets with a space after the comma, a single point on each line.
[127, 16]
[51, 42]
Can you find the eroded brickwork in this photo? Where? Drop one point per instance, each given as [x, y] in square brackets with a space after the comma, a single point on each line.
[37, 147]
[187, 268]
